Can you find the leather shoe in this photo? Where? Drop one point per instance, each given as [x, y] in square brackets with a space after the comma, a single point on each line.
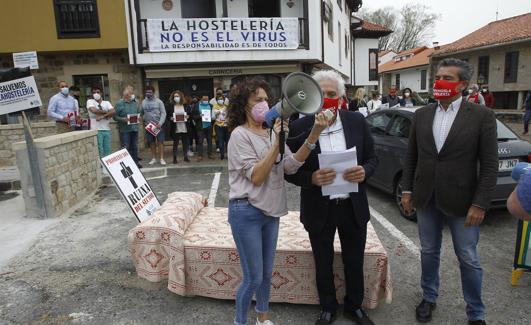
[477, 322]
[424, 311]
[325, 318]
[359, 317]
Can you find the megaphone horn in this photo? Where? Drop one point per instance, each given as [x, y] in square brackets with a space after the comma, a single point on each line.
[300, 94]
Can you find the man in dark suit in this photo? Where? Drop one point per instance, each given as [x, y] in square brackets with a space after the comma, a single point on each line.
[348, 213]
[449, 175]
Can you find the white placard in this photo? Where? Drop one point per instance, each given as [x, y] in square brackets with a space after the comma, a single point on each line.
[206, 115]
[339, 161]
[215, 34]
[131, 183]
[26, 59]
[18, 95]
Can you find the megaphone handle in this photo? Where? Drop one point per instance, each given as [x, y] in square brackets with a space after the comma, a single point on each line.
[282, 139]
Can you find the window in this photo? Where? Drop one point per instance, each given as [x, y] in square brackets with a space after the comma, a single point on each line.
[198, 9]
[397, 81]
[339, 42]
[423, 79]
[378, 123]
[400, 127]
[76, 18]
[373, 64]
[331, 21]
[483, 69]
[511, 67]
[347, 43]
[264, 9]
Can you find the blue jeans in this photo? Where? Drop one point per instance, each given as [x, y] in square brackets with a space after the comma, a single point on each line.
[465, 239]
[527, 117]
[256, 236]
[222, 136]
[129, 141]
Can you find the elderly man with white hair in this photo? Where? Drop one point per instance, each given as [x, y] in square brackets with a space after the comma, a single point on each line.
[346, 212]
[474, 96]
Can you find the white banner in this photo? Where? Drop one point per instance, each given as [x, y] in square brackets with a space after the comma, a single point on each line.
[131, 183]
[211, 34]
[18, 95]
[26, 59]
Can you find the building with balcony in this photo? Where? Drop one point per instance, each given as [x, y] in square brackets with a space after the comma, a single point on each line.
[83, 42]
[198, 46]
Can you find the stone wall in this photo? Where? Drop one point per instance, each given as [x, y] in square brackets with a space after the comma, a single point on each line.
[11, 133]
[69, 167]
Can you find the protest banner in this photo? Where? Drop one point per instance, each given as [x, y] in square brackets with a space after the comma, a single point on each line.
[26, 59]
[207, 34]
[131, 183]
[18, 95]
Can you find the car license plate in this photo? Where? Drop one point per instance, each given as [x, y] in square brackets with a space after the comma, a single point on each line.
[507, 164]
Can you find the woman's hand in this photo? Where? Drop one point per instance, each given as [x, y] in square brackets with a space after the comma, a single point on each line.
[276, 128]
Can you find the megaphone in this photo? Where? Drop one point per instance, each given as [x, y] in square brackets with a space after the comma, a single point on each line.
[300, 94]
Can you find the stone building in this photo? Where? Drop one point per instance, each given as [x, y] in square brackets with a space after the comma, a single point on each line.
[500, 53]
[83, 43]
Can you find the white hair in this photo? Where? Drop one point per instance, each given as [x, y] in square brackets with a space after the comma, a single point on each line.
[332, 76]
[475, 87]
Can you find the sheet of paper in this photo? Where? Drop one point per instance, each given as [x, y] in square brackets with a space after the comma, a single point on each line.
[339, 161]
[206, 115]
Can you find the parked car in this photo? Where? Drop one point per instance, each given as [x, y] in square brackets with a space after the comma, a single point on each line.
[390, 129]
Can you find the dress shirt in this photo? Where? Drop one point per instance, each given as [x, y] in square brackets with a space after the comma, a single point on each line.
[333, 139]
[60, 105]
[443, 121]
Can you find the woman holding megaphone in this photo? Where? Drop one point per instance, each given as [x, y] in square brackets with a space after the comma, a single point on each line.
[257, 193]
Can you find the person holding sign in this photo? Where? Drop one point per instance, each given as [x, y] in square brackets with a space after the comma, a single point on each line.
[222, 133]
[126, 114]
[178, 112]
[100, 112]
[346, 212]
[202, 116]
[63, 108]
[257, 191]
[153, 113]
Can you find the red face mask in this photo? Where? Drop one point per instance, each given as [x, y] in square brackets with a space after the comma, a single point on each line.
[444, 89]
[331, 104]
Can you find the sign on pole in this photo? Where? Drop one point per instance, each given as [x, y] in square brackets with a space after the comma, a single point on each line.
[131, 183]
[221, 34]
[26, 59]
[18, 95]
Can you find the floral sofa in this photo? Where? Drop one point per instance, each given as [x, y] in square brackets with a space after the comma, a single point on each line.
[190, 245]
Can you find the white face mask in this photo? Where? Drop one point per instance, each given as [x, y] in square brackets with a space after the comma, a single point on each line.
[65, 91]
[407, 94]
[177, 99]
[96, 96]
[132, 96]
[470, 91]
[220, 101]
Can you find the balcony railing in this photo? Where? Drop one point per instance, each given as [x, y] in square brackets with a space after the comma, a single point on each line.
[143, 42]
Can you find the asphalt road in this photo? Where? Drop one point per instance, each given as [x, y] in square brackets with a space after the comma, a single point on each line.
[79, 271]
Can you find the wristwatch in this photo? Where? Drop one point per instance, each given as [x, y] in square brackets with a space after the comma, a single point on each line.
[310, 146]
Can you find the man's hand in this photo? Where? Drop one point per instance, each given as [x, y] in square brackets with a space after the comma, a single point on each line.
[406, 203]
[323, 177]
[355, 174]
[475, 216]
[66, 119]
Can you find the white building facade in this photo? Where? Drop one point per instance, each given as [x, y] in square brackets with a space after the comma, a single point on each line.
[200, 45]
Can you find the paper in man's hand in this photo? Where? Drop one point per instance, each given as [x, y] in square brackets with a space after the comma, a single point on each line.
[339, 161]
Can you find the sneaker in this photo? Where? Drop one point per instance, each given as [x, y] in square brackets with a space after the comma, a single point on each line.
[190, 153]
[217, 150]
[152, 161]
[162, 162]
[267, 322]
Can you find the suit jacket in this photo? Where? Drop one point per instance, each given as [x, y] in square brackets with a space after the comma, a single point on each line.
[464, 172]
[314, 206]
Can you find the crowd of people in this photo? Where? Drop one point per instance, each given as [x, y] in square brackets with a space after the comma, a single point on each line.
[188, 120]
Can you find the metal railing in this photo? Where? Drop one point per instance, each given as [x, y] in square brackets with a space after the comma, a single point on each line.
[143, 42]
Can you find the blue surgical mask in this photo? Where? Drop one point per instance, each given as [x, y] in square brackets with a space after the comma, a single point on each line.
[204, 102]
[65, 91]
